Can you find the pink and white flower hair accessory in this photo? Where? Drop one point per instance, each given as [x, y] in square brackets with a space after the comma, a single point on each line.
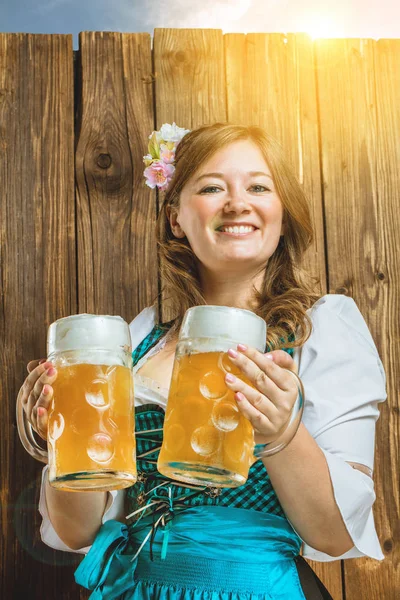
[160, 159]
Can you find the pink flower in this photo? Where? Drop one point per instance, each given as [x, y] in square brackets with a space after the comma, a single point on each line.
[167, 155]
[159, 174]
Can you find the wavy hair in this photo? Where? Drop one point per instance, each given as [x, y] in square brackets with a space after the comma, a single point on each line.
[287, 290]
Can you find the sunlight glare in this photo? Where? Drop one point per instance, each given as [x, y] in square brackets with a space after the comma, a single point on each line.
[321, 26]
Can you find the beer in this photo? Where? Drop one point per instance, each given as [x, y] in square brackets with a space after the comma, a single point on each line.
[91, 428]
[206, 438]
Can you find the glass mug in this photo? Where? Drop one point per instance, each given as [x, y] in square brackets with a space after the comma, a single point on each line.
[206, 439]
[91, 424]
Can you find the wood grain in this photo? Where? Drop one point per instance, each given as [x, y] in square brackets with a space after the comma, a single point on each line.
[189, 84]
[270, 82]
[38, 280]
[117, 261]
[360, 177]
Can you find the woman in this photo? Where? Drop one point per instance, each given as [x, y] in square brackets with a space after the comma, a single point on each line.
[232, 231]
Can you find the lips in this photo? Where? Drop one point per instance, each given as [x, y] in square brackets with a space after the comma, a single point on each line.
[227, 224]
[245, 234]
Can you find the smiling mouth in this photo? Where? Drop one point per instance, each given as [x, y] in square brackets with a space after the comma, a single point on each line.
[237, 235]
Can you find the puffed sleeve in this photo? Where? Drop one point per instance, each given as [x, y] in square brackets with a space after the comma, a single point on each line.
[114, 510]
[344, 380]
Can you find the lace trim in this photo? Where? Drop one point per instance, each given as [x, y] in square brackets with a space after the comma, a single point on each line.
[151, 384]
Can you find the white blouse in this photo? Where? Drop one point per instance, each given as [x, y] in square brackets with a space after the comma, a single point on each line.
[344, 380]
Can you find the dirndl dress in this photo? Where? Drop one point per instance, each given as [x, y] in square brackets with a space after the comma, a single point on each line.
[192, 542]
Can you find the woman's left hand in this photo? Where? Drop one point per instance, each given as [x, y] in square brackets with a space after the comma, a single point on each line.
[267, 405]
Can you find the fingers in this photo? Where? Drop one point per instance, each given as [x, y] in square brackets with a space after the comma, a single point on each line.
[265, 393]
[284, 360]
[37, 393]
[40, 418]
[259, 421]
[265, 373]
[32, 364]
[30, 381]
[263, 414]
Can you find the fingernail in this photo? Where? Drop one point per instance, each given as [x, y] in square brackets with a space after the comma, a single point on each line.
[42, 361]
[242, 347]
[230, 378]
[40, 411]
[46, 390]
[232, 353]
[51, 371]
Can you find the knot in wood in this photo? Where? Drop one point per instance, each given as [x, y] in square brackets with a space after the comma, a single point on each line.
[104, 161]
[341, 290]
[381, 276]
[388, 545]
[180, 56]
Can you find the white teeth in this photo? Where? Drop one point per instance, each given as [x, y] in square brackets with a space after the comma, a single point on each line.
[240, 229]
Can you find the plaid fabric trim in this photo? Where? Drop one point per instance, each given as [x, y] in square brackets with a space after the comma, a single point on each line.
[159, 330]
[149, 421]
[256, 494]
[150, 340]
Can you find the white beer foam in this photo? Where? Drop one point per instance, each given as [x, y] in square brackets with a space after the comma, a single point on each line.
[91, 336]
[216, 328]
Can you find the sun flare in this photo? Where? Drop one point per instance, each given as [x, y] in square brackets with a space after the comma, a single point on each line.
[322, 26]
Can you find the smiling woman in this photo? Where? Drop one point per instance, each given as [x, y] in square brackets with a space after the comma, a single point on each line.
[232, 231]
[233, 227]
[237, 175]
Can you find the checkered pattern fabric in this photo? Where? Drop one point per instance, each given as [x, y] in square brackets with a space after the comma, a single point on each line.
[159, 330]
[256, 494]
[150, 340]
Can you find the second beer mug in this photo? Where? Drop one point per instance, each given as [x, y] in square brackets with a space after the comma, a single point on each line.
[91, 437]
[206, 438]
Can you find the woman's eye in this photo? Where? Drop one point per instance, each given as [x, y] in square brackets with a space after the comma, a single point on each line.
[210, 187]
[262, 186]
[213, 187]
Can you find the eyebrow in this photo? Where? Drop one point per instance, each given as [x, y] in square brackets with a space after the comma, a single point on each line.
[221, 175]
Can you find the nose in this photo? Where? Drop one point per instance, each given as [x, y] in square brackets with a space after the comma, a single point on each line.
[236, 201]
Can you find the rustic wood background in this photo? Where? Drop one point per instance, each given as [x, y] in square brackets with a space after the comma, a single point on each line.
[77, 223]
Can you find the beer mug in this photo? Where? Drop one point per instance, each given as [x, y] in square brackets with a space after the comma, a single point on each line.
[206, 438]
[91, 424]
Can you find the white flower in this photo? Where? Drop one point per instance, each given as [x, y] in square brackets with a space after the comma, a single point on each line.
[172, 133]
[158, 136]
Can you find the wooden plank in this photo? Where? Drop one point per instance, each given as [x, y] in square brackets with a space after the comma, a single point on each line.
[38, 280]
[382, 580]
[361, 226]
[117, 261]
[189, 84]
[271, 83]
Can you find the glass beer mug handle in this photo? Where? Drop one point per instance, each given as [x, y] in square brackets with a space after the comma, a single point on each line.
[262, 450]
[26, 436]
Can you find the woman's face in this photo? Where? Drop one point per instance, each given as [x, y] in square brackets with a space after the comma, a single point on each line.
[234, 187]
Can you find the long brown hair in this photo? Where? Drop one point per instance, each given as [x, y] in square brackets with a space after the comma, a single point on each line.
[287, 290]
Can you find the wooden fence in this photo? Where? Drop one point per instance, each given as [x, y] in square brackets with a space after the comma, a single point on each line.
[77, 223]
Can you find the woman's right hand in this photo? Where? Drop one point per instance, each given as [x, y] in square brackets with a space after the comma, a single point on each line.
[36, 394]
